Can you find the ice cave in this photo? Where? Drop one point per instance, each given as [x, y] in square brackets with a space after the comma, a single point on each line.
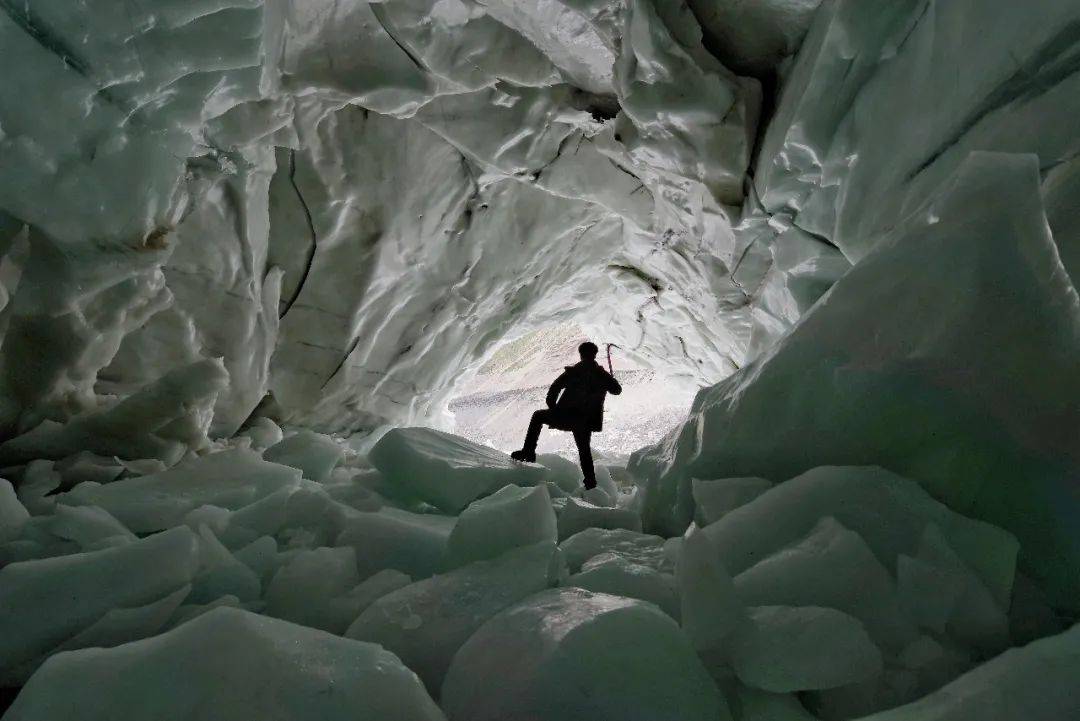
[281, 282]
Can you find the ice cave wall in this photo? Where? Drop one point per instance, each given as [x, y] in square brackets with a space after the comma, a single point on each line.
[348, 204]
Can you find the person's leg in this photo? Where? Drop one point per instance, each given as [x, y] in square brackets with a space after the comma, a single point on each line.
[583, 439]
[532, 436]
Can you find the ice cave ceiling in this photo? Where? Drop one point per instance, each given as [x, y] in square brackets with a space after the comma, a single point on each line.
[855, 224]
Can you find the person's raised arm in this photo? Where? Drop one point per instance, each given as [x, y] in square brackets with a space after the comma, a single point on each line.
[556, 387]
[613, 386]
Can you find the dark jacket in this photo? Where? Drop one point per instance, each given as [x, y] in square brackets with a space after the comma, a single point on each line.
[581, 405]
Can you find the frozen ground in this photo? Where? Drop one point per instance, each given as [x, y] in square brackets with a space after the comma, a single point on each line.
[493, 407]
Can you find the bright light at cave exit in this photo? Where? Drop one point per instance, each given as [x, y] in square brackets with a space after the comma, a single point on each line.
[493, 407]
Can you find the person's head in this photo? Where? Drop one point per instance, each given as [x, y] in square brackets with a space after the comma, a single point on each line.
[588, 351]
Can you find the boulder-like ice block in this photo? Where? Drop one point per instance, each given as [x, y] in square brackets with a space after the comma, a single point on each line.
[568, 653]
[635, 547]
[959, 374]
[230, 479]
[785, 648]
[889, 512]
[86, 525]
[615, 575]
[426, 622]
[710, 609]
[509, 518]
[227, 665]
[13, 515]
[313, 453]
[576, 516]
[47, 602]
[308, 588]
[832, 567]
[715, 498]
[447, 470]
[413, 543]
[1037, 681]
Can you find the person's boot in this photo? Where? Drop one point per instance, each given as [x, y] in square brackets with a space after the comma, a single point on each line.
[524, 456]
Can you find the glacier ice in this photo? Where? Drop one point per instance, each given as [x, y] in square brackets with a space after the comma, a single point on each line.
[444, 470]
[613, 574]
[50, 600]
[249, 250]
[579, 515]
[509, 518]
[782, 648]
[228, 664]
[569, 653]
[426, 622]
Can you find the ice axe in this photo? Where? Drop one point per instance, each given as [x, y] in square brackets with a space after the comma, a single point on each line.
[609, 347]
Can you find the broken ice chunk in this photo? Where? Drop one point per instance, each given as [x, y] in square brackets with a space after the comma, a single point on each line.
[230, 479]
[757, 705]
[710, 610]
[784, 648]
[569, 653]
[391, 538]
[304, 591]
[1037, 681]
[38, 481]
[263, 433]
[86, 525]
[122, 625]
[578, 515]
[715, 498]
[611, 573]
[46, 602]
[635, 547]
[888, 511]
[446, 470]
[227, 664]
[831, 567]
[426, 622]
[163, 420]
[13, 515]
[509, 518]
[313, 453]
[220, 573]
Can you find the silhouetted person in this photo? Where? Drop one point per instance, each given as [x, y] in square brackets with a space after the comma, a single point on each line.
[579, 409]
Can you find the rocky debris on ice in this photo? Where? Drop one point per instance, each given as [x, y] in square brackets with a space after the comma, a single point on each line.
[426, 622]
[569, 653]
[509, 518]
[227, 664]
[446, 470]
